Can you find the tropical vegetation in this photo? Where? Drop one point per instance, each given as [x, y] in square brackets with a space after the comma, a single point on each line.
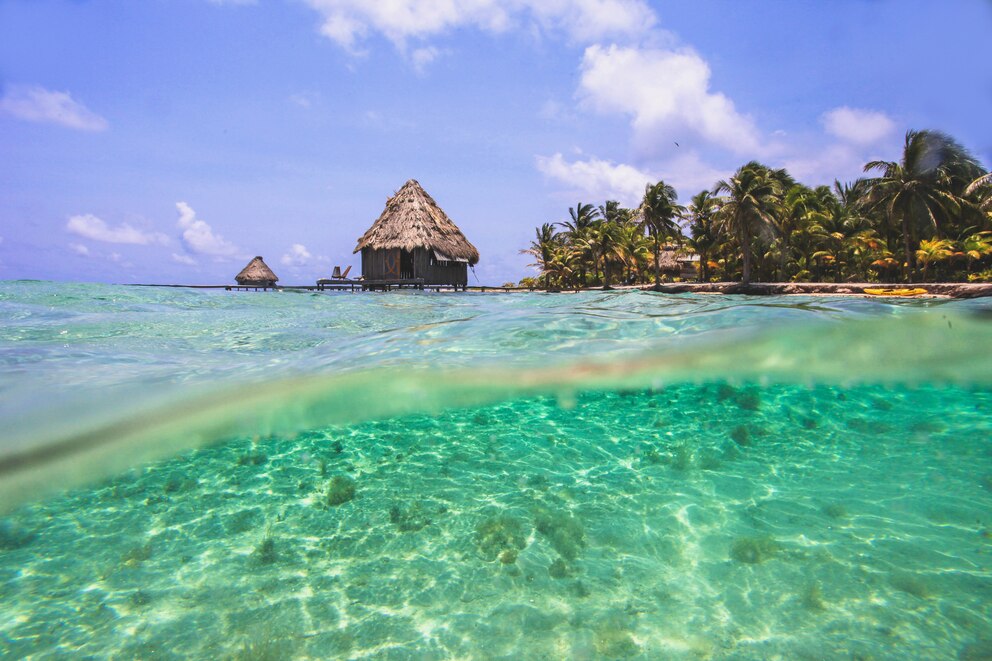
[924, 217]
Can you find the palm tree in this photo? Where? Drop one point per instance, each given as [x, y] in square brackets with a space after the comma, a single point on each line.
[702, 227]
[542, 249]
[583, 219]
[981, 190]
[659, 211]
[752, 196]
[916, 193]
[634, 250]
[933, 252]
[975, 247]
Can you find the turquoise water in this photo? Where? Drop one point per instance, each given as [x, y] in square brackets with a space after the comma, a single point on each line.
[407, 475]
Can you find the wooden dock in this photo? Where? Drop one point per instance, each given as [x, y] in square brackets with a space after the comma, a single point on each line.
[328, 284]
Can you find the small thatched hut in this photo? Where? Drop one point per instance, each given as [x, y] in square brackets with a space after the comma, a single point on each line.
[256, 274]
[414, 238]
[668, 261]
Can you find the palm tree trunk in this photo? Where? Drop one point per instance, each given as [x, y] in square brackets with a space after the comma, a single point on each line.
[657, 262]
[746, 250]
[910, 257]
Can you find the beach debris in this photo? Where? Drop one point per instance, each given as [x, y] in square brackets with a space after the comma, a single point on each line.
[749, 400]
[612, 637]
[911, 584]
[508, 557]
[558, 569]
[812, 598]
[681, 459]
[252, 459]
[179, 483]
[835, 511]
[136, 555]
[410, 518]
[265, 552]
[741, 436]
[562, 530]
[340, 490]
[500, 533]
[753, 550]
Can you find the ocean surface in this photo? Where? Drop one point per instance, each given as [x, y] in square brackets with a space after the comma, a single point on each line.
[605, 475]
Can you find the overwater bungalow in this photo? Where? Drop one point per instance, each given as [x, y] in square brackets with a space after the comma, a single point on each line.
[414, 240]
[256, 274]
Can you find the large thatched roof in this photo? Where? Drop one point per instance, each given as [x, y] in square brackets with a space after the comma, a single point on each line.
[257, 271]
[412, 219]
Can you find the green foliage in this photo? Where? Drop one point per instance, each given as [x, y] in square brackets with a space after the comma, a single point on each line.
[981, 276]
[927, 215]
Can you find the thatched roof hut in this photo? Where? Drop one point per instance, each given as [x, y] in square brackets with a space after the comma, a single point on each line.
[668, 261]
[412, 219]
[414, 238]
[257, 274]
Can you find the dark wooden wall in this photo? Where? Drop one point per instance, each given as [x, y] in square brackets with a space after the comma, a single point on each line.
[386, 265]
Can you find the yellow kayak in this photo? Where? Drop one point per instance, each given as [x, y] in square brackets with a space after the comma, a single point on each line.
[895, 292]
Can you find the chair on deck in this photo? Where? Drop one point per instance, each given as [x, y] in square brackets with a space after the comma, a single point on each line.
[338, 275]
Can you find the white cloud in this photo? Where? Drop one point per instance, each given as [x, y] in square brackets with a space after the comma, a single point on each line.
[688, 174]
[91, 227]
[861, 127]
[36, 104]
[183, 259]
[199, 237]
[598, 179]
[421, 57]
[349, 22]
[298, 255]
[843, 162]
[303, 99]
[601, 180]
[80, 249]
[666, 93]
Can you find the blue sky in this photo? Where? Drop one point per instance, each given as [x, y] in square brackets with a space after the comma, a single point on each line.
[171, 140]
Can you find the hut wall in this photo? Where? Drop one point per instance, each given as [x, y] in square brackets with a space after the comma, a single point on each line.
[387, 265]
[439, 273]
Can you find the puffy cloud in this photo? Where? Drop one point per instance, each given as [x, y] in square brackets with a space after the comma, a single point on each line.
[80, 249]
[36, 104]
[183, 259]
[349, 22]
[666, 93]
[601, 179]
[91, 227]
[598, 179]
[422, 57]
[199, 237]
[298, 255]
[861, 127]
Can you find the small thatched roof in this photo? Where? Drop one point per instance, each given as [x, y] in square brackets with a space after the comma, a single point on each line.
[668, 261]
[257, 271]
[412, 219]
